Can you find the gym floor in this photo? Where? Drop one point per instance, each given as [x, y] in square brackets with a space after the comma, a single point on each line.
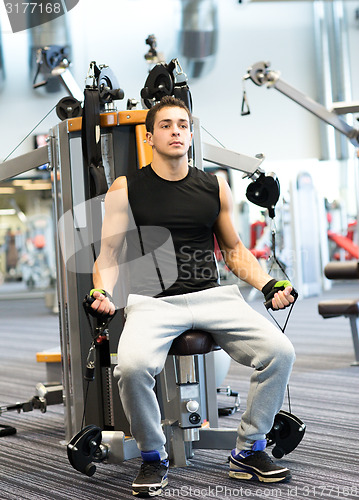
[324, 394]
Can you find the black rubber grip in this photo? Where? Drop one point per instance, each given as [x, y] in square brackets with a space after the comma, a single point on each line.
[88, 300]
[268, 303]
[89, 373]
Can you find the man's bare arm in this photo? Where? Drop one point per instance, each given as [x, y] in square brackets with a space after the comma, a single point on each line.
[114, 227]
[236, 256]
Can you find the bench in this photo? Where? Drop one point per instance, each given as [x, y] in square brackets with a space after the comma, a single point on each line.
[52, 358]
[348, 308]
[51, 390]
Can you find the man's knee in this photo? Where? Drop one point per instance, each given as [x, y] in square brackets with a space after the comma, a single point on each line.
[285, 351]
[133, 367]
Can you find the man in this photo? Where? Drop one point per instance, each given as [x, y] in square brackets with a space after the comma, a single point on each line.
[192, 205]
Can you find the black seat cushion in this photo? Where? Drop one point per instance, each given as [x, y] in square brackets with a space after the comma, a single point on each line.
[339, 307]
[193, 342]
[348, 270]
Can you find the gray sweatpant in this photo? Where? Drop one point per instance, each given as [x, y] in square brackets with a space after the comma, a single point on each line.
[249, 338]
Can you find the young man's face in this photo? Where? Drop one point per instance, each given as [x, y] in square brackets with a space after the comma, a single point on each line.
[172, 134]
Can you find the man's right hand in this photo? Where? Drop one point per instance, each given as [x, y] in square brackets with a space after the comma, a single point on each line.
[102, 304]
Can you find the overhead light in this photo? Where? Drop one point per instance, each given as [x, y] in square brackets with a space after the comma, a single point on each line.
[37, 186]
[7, 190]
[18, 211]
[7, 211]
[21, 182]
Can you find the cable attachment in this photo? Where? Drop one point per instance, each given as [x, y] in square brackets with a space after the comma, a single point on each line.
[245, 105]
[90, 81]
[178, 73]
[90, 364]
[274, 257]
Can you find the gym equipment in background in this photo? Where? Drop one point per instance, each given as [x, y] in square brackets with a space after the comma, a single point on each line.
[53, 65]
[261, 74]
[346, 243]
[49, 49]
[152, 56]
[47, 394]
[349, 308]
[309, 242]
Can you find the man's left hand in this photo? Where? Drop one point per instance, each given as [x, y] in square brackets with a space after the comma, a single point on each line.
[279, 294]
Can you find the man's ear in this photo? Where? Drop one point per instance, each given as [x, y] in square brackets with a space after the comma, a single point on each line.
[149, 138]
[191, 136]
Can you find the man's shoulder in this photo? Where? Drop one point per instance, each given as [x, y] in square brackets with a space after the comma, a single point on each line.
[203, 175]
[119, 183]
[138, 174]
[125, 180]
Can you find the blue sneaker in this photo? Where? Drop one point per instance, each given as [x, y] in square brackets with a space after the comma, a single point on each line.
[152, 477]
[256, 464]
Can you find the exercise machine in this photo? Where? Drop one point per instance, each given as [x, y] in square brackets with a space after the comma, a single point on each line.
[261, 74]
[185, 388]
[53, 62]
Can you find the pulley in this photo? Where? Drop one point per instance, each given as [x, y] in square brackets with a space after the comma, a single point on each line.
[164, 80]
[286, 433]
[85, 448]
[108, 86]
[159, 83]
[264, 192]
[68, 107]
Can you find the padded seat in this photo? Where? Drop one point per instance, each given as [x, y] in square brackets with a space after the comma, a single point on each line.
[193, 342]
[348, 308]
[339, 307]
[342, 270]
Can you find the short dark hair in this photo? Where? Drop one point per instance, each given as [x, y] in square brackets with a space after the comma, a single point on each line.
[166, 102]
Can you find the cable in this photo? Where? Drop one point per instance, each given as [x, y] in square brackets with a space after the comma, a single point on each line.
[213, 137]
[275, 260]
[31, 131]
[85, 402]
[282, 328]
[289, 403]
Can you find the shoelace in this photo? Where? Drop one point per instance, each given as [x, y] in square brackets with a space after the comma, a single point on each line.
[148, 468]
[263, 457]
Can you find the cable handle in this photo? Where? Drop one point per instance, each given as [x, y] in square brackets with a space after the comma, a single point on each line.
[268, 304]
[105, 318]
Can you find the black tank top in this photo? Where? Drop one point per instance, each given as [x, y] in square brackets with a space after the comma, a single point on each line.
[174, 222]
